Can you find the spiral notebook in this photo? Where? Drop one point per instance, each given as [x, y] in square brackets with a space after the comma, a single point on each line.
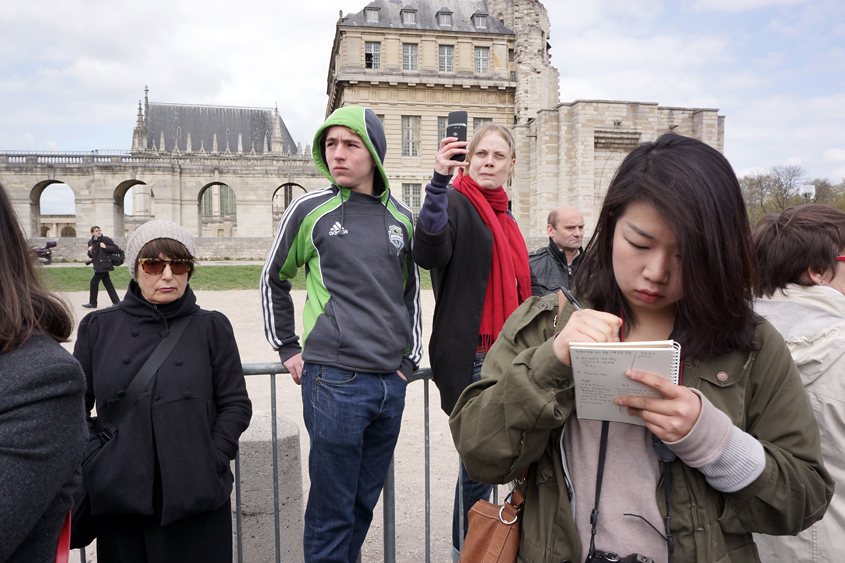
[599, 372]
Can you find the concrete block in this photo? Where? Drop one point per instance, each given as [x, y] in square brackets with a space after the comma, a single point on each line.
[256, 461]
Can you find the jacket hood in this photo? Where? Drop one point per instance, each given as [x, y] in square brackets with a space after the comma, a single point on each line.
[366, 124]
[812, 322]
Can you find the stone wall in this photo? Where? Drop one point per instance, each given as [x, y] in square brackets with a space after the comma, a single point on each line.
[208, 248]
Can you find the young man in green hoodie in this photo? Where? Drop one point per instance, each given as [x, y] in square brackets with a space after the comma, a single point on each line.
[362, 327]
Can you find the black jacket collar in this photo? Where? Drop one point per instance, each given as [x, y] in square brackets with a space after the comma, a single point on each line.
[144, 314]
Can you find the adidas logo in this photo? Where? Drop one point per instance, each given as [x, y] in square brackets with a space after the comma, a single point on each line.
[337, 229]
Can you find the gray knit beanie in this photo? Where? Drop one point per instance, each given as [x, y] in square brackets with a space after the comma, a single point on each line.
[152, 230]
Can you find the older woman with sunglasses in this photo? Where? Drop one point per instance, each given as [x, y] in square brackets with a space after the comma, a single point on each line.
[159, 489]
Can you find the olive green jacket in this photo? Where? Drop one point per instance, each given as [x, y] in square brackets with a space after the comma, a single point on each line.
[515, 415]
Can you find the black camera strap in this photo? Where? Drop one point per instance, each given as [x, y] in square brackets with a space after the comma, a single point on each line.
[667, 456]
[594, 515]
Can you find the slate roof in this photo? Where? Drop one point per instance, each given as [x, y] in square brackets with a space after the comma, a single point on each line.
[202, 122]
[390, 15]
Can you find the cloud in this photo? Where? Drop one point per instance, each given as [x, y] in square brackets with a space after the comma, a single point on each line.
[742, 5]
[835, 155]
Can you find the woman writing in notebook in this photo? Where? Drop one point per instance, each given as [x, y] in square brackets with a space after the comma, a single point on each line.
[733, 449]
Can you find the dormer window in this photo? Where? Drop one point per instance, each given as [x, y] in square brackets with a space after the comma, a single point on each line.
[371, 15]
[444, 19]
[480, 21]
[409, 17]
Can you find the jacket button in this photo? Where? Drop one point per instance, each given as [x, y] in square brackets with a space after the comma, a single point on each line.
[542, 305]
[187, 395]
[126, 360]
[121, 394]
[722, 376]
[178, 362]
[136, 332]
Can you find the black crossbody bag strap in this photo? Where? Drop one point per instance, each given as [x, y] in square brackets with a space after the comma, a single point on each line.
[145, 374]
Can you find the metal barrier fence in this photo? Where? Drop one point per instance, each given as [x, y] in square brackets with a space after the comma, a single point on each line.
[388, 495]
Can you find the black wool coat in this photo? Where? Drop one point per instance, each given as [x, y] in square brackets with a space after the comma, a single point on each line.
[100, 256]
[187, 421]
[459, 257]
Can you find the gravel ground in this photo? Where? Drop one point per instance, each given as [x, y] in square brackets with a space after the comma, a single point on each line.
[243, 310]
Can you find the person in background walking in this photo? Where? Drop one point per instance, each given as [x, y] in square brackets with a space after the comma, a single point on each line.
[800, 289]
[160, 488]
[479, 270]
[552, 265]
[42, 418]
[99, 248]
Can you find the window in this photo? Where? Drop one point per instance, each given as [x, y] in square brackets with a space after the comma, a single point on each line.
[479, 121]
[409, 56]
[447, 58]
[372, 55]
[444, 19]
[480, 21]
[411, 197]
[442, 124]
[371, 15]
[410, 135]
[409, 17]
[227, 201]
[482, 60]
[510, 55]
[380, 118]
[513, 76]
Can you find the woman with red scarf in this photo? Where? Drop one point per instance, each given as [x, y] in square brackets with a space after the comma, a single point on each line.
[479, 269]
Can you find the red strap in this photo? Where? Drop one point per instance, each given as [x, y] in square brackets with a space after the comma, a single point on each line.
[63, 551]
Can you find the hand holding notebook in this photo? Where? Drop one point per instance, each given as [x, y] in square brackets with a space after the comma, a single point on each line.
[599, 370]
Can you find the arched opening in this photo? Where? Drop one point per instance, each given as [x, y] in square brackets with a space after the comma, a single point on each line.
[132, 206]
[52, 208]
[68, 232]
[282, 198]
[218, 210]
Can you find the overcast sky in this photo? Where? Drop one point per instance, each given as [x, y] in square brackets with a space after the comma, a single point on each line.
[72, 71]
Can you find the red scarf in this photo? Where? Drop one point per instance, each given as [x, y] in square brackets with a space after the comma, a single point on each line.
[510, 277]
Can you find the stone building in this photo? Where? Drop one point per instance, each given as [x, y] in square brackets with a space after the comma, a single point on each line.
[413, 62]
[214, 130]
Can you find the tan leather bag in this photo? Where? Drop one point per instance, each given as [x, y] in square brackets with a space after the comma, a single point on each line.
[493, 534]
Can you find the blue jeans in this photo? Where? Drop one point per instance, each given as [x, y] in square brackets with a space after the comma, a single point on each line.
[473, 490]
[353, 422]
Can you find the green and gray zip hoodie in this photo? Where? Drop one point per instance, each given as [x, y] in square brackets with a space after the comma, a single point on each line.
[363, 306]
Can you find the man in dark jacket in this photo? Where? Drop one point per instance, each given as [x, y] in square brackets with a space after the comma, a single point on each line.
[99, 248]
[362, 327]
[552, 265]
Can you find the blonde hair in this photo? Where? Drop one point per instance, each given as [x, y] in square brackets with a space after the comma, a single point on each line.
[485, 130]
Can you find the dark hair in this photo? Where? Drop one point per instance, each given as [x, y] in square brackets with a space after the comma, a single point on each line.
[95, 227]
[695, 190]
[26, 306]
[167, 247]
[790, 243]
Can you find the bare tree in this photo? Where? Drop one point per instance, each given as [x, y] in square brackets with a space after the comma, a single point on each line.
[784, 186]
[772, 191]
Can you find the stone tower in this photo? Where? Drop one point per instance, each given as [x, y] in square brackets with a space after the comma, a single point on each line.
[537, 80]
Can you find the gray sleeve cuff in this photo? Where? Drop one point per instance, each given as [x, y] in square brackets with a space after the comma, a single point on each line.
[729, 458]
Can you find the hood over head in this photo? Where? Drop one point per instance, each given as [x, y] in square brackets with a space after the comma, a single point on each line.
[366, 124]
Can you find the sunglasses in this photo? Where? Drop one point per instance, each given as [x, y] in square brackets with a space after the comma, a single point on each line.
[155, 266]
